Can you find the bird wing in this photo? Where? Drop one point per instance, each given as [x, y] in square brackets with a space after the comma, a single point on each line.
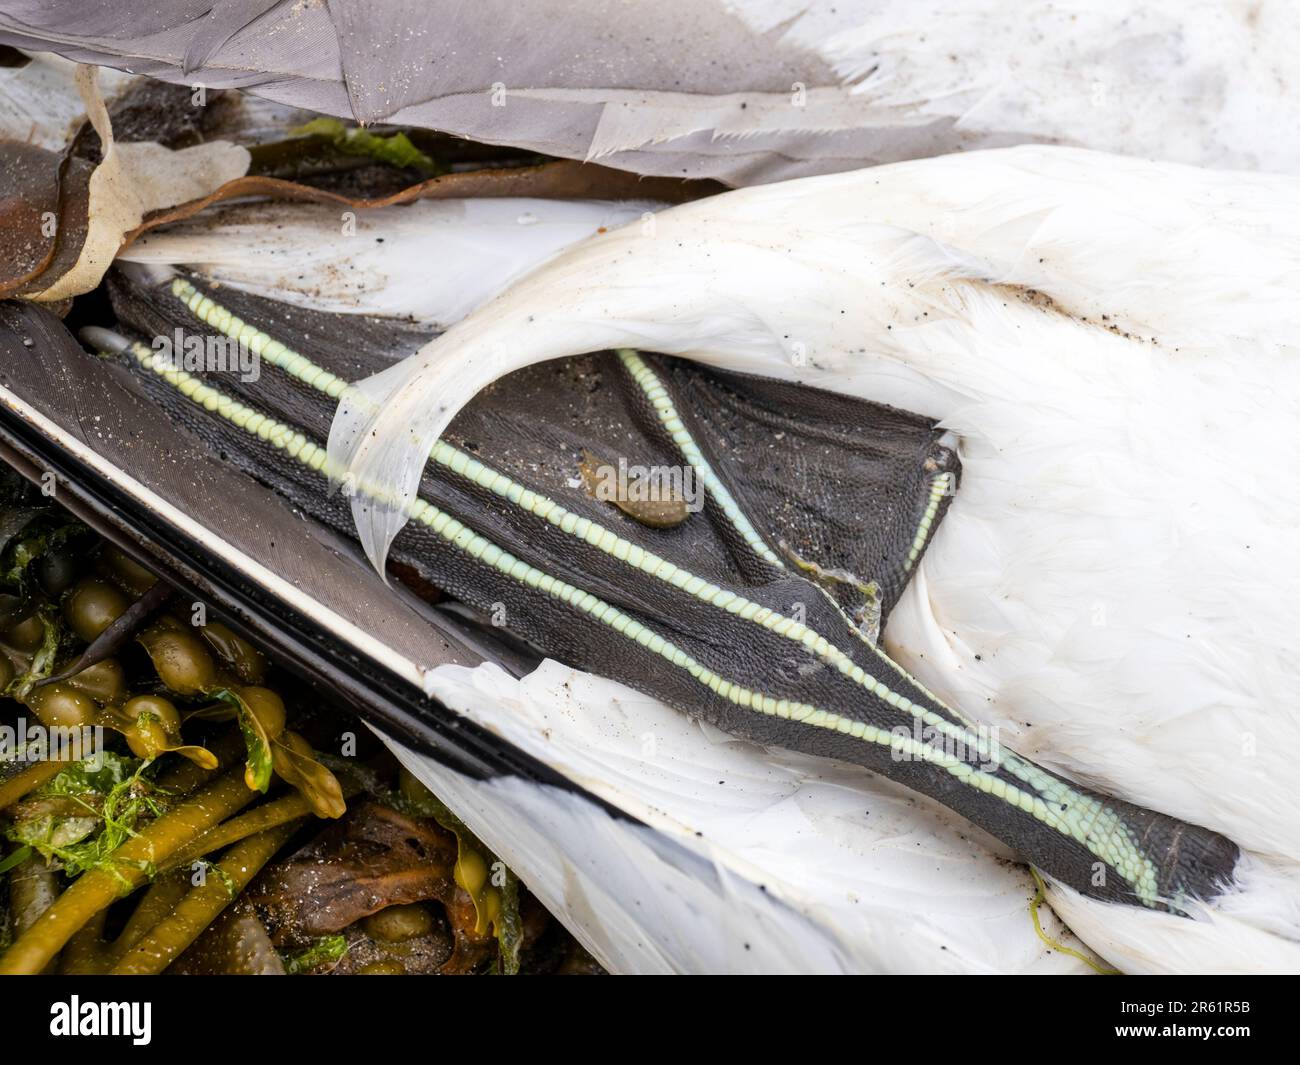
[746, 91]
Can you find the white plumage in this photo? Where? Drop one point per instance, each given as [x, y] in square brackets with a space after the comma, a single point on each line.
[1110, 586]
[39, 102]
[856, 874]
[432, 261]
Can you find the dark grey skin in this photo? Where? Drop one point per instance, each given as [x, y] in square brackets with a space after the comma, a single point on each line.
[839, 484]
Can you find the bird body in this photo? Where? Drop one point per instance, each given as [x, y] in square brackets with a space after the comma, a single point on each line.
[1109, 340]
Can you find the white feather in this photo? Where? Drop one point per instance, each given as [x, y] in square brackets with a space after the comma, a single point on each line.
[432, 261]
[39, 102]
[857, 875]
[1249, 931]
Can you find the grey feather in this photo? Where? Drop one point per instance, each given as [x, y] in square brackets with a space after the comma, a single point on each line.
[224, 20]
[745, 91]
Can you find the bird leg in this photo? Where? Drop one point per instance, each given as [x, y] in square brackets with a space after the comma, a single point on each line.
[704, 613]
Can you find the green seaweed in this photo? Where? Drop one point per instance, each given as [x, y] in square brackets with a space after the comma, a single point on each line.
[256, 742]
[395, 149]
[325, 950]
[108, 795]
